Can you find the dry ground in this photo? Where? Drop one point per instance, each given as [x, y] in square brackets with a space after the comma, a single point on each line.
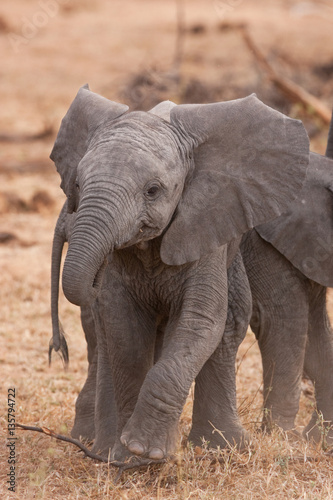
[125, 50]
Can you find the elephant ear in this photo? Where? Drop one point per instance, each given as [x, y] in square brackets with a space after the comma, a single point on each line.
[304, 234]
[163, 110]
[87, 112]
[249, 164]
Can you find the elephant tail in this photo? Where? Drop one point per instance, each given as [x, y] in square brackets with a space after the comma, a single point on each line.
[58, 340]
[62, 349]
[329, 149]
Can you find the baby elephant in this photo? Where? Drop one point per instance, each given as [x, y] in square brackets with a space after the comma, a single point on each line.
[289, 262]
[215, 392]
[158, 202]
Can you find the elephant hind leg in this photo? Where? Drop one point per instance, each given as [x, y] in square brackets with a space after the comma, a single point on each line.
[282, 344]
[282, 360]
[280, 323]
[215, 416]
[318, 366]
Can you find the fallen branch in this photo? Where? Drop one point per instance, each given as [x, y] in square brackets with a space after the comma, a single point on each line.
[135, 463]
[138, 463]
[290, 88]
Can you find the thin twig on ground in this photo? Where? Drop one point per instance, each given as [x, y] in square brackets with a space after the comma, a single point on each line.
[134, 463]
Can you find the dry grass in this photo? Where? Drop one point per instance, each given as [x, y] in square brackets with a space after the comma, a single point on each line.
[272, 466]
[105, 44]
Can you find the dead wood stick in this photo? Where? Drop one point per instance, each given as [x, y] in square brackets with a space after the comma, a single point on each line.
[122, 466]
[290, 88]
[141, 463]
[76, 442]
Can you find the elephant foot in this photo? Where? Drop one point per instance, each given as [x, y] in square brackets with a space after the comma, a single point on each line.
[120, 453]
[273, 420]
[284, 426]
[103, 444]
[291, 435]
[319, 431]
[84, 429]
[146, 443]
[233, 436]
[288, 430]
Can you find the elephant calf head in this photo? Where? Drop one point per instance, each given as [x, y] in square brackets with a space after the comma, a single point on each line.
[200, 175]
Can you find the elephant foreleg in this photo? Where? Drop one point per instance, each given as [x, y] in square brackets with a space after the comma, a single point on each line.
[191, 337]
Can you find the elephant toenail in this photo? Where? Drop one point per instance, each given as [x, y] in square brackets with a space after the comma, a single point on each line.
[156, 454]
[136, 448]
[123, 440]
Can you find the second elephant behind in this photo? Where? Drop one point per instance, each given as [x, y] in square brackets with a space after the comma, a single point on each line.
[289, 263]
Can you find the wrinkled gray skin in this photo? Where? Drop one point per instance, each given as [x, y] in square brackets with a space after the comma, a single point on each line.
[289, 263]
[218, 371]
[215, 392]
[160, 201]
[293, 331]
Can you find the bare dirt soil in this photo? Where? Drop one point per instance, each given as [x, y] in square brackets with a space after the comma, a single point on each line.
[127, 51]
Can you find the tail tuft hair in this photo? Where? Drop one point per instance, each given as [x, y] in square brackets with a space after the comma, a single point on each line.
[62, 348]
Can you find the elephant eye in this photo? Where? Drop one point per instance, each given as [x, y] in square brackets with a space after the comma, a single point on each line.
[77, 186]
[152, 191]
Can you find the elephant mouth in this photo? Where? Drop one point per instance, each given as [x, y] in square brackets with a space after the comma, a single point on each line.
[144, 234]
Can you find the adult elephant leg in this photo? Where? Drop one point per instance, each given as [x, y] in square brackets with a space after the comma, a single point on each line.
[84, 425]
[215, 417]
[318, 366]
[280, 323]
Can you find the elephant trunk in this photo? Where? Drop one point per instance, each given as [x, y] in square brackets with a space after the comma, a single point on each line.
[84, 265]
[99, 228]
